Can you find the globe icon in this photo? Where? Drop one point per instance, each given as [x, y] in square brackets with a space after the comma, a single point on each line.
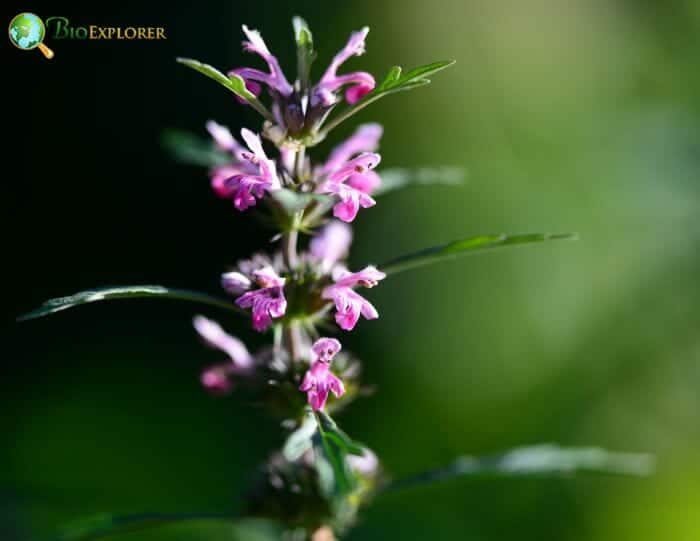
[27, 32]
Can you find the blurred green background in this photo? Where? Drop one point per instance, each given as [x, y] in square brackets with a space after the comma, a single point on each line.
[581, 115]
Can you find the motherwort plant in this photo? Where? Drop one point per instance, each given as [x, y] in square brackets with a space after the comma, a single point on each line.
[304, 295]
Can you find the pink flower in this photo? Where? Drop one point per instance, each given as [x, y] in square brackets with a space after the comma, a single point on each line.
[351, 198]
[275, 79]
[331, 244]
[364, 139]
[349, 304]
[246, 185]
[216, 378]
[221, 174]
[362, 82]
[319, 380]
[266, 303]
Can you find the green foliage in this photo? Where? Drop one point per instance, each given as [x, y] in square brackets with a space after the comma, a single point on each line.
[442, 252]
[393, 82]
[125, 292]
[305, 50]
[544, 460]
[233, 82]
[331, 446]
[190, 148]
[105, 524]
[399, 177]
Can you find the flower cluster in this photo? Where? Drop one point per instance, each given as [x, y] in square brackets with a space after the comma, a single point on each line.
[305, 284]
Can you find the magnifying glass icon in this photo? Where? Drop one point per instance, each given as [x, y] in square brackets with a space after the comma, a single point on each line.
[27, 32]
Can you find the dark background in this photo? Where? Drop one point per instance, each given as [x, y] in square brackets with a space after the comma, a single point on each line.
[576, 116]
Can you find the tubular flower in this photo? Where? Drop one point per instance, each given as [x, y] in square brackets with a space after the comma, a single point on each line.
[267, 302]
[324, 93]
[217, 378]
[220, 174]
[319, 381]
[349, 304]
[246, 185]
[352, 198]
[275, 79]
[331, 244]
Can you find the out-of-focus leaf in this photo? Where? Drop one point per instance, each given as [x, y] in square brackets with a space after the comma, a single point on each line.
[105, 524]
[305, 50]
[190, 148]
[301, 440]
[331, 446]
[458, 248]
[539, 460]
[394, 81]
[125, 292]
[234, 83]
[293, 201]
[398, 177]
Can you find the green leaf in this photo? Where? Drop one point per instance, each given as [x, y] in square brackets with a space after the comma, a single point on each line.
[391, 78]
[458, 248]
[305, 50]
[125, 292]
[538, 460]
[301, 440]
[395, 178]
[233, 82]
[104, 524]
[344, 442]
[331, 446]
[293, 201]
[190, 148]
[393, 82]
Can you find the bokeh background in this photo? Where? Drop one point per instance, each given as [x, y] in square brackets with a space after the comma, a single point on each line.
[582, 115]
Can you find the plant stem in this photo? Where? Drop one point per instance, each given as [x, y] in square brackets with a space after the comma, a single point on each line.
[289, 247]
[299, 164]
[293, 339]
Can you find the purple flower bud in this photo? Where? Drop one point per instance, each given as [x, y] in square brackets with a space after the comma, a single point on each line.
[235, 283]
[366, 464]
[266, 303]
[319, 381]
[331, 244]
[216, 380]
[212, 333]
[349, 304]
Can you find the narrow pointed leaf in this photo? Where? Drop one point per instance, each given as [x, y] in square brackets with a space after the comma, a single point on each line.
[331, 446]
[305, 50]
[104, 524]
[190, 148]
[545, 460]
[394, 81]
[458, 248]
[390, 79]
[301, 440]
[234, 83]
[395, 178]
[125, 292]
